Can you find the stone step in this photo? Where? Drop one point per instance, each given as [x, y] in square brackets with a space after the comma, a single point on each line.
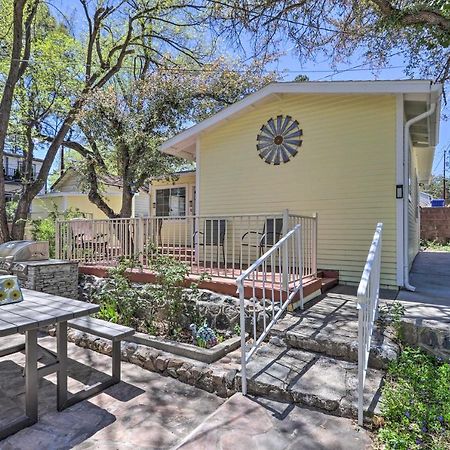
[330, 327]
[311, 379]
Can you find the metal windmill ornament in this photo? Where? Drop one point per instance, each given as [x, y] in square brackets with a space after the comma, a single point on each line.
[278, 140]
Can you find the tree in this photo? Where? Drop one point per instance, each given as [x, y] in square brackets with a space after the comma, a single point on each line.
[436, 187]
[418, 30]
[22, 13]
[119, 33]
[124, 124]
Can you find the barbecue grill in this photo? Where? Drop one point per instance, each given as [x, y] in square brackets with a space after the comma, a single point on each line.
[13, 253]
[29, 261]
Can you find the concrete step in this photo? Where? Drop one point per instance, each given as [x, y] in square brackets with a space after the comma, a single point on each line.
[307, 378]
[330, 326]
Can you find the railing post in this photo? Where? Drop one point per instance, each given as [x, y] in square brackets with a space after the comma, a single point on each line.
[57, 239]
[361, 363]
[314, 244]
[141, 239]
[285, 256]
[243, 344]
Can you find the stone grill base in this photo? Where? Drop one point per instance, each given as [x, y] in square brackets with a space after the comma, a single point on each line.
[52, 276]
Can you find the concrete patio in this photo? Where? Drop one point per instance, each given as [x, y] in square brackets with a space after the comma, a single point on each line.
[430, 275]
[148, 411]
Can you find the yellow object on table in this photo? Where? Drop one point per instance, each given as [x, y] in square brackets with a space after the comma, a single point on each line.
[9, 290]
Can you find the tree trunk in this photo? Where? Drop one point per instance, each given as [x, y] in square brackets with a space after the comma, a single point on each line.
[6, 104]
[32, 189]
[127, 200]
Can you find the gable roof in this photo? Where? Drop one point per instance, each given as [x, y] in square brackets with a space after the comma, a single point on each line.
[183, 144]
[108, 180]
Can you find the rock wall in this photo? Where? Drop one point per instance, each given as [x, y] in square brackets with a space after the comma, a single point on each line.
[220, 311]
[430, 335]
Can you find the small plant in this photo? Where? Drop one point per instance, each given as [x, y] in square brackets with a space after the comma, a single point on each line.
[45, 229]
[391, 314]
[205, 336]
[119, 301]
[416, 403]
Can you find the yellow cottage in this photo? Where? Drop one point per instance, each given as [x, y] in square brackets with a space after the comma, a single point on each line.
[351, 152]
[66, 193]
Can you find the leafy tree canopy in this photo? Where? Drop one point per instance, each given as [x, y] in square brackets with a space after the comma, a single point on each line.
[417, 30]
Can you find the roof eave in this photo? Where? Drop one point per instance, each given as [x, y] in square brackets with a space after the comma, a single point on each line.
[182, 144]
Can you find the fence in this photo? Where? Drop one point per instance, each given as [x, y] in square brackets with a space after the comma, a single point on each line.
[368, 296]
[223, 246]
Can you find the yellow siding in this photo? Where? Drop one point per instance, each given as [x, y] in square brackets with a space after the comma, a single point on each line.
[345, 171]
[82, 203]
[41, 206]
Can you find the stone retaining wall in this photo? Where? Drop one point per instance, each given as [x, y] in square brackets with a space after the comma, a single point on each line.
[435, 224]
[430, 335]
[218, 378]
[220, 311]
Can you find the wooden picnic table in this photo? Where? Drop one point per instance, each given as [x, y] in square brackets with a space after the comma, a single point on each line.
[39, 309]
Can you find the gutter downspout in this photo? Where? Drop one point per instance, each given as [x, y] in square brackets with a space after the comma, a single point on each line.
[406, 163]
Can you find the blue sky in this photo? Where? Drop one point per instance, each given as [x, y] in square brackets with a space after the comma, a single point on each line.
[318, 70]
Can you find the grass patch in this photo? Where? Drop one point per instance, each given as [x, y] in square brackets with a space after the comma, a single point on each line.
[416, 403]
[435, 246]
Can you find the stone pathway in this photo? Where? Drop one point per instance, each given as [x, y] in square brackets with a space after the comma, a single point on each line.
[249, 423]
[149, 411]
[144, 411]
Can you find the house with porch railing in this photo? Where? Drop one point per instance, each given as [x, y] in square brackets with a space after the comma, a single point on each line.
[335, 157]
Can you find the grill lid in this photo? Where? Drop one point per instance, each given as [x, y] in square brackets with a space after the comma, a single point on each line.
[24, 251]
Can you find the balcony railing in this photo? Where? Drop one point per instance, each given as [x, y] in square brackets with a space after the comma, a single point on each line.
[221, 245]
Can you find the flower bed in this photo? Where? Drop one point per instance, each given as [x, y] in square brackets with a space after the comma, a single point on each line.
[168, 311]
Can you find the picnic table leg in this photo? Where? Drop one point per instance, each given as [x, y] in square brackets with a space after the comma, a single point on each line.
[61, 345]
[31, 377]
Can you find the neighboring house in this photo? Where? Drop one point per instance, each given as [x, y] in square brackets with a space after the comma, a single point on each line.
[13, 164]
[66, 194]
[354, 152]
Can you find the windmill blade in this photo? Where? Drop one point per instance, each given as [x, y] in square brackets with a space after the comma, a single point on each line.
[290, 149]
[272, 126]
[286, 122]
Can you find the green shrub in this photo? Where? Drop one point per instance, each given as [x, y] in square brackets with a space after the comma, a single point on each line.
[45, 229]
[416, 403]
[164, 308]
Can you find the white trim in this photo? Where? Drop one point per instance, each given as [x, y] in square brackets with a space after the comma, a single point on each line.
[177, 144]
[74, 194]
[399, 180]
[174, 186]
[197, 177]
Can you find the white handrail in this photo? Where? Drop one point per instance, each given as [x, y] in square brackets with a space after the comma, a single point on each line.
[267, 291]
[368, 297]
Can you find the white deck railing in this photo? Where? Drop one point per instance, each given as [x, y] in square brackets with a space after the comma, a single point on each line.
[222, 246]
[271, 284]
[368, 296]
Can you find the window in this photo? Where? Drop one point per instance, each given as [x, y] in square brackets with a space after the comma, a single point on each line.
[171, 202]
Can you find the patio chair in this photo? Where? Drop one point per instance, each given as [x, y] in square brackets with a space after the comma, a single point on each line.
[270, 235]
[83, 237]
[213, 234]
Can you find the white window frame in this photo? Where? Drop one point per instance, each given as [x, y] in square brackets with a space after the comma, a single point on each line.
[175, 186]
